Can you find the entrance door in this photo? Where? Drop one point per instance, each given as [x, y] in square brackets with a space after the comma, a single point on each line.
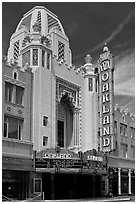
[65, 122]
[60, 133]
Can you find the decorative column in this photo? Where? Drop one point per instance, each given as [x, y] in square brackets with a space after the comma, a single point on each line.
[129, 181]
[119, 181]
[76, 126]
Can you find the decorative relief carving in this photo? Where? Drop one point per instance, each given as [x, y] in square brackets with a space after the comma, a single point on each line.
[46, 41]
[14, 110]
[26, 41]
[8, 108]
[63, 87]
[20, 112]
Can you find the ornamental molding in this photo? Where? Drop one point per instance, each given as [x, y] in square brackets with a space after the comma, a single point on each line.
[69, 89]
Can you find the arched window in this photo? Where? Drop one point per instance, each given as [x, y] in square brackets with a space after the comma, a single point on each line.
[15, 75]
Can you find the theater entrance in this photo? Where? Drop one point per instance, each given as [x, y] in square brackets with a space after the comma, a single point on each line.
[71, 186]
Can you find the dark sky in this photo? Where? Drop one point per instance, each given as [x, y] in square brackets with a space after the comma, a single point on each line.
[88, 26]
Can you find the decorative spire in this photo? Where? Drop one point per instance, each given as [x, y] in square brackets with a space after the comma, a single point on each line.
[88, 59]
[105, 49]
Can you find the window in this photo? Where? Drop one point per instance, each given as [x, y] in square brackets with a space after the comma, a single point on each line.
[45, 141]
[45, 120]
[16, 50]
[43, 58]
[132, 152]
[123, 129]
[96, 85]
[35, 57]
[15, 75]
[39, 17]
[26, 58]
[90, 84]
[124, 150]
[61, 51]
[13, 127]
[19, 95]
[48, 61]
[14, 93]
[115, 127]
[8, 92]
[38, 185]
[132, 133]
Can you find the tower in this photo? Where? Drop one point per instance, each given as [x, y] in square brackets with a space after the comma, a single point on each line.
[90, 139]
[40, 42]
[106, 100]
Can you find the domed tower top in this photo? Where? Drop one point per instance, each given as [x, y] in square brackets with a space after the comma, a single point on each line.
[39, 27]
[42, 16]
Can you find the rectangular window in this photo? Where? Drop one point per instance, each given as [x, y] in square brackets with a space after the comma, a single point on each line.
[121, 129]
[43, 58]
[132, 133]
[26, 58]
[38, 185]
[16, 50]
[45, 141]
[19, 95]
[61, 51]
[45, 120]
[8, 92]
[132, 152]
[115, 127]
[13, 127]
[124, 150]
[90, 85]
[48, 60]
[35, 57]
[124, 130]
[96, 85]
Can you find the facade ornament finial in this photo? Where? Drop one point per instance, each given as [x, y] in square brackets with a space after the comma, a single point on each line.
[88, 59]
[105, 49]
[36, 27]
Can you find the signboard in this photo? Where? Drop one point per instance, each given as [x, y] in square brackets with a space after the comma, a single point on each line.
[106, 102]
[89, 160]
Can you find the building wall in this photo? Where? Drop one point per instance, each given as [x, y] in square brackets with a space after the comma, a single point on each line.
[18, 147]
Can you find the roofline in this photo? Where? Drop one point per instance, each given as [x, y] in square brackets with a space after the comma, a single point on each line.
[40, 7]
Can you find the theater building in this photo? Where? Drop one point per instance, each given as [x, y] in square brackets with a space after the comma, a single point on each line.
[17, 146]
[71, 129]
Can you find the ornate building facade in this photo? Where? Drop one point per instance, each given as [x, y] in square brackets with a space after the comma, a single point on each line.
[70, 128]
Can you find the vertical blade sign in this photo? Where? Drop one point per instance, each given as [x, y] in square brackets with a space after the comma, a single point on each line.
[106, 100]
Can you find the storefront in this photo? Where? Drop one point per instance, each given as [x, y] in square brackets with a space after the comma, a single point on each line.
[121, 175]
[66, 175]
[17, 178]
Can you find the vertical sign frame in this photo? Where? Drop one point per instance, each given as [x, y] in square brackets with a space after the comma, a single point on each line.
[106, 101]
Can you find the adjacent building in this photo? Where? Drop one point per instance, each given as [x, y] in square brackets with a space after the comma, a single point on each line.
[66, 114]
[17, 143]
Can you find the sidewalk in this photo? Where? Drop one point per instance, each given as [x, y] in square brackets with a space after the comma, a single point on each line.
[113, 199]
